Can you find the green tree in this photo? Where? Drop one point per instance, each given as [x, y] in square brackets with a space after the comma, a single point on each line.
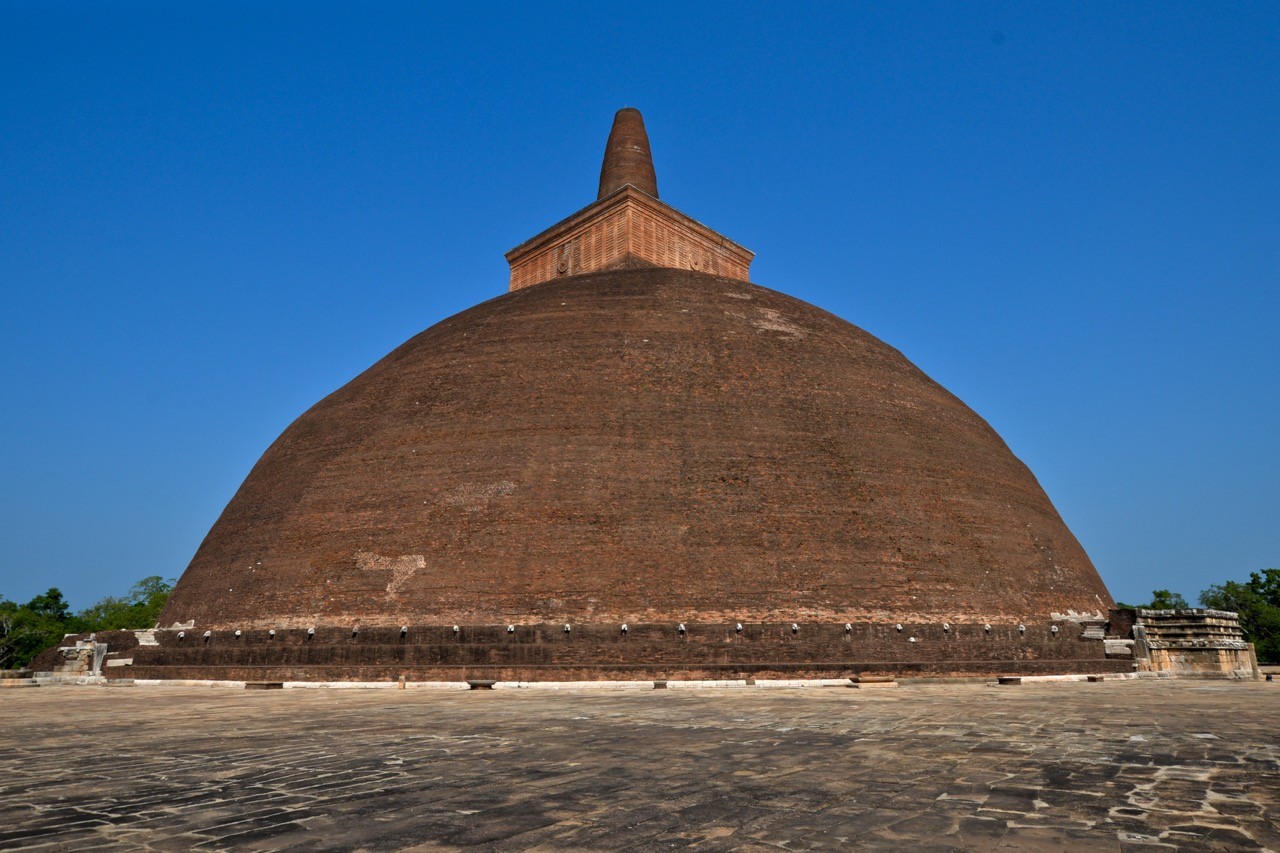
[28, 629]
[1257, 602]
[1161, 599]
[139, 609]
[51, 605]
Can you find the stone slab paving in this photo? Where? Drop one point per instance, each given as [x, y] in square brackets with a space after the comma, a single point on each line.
[1114, 766]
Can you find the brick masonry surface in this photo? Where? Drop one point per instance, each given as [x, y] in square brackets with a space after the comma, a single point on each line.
[1115, 766]
[626, 225]
[650, 445]
[586, 652]
[627, 228]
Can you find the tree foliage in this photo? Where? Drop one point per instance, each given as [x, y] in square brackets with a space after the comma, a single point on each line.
[139, 609]
[28, 629]
[1161, 599]
[1257, 601]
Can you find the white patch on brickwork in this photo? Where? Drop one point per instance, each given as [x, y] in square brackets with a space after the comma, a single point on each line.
[738, 295]
[771, 320]
[401, 568]
[472, 497]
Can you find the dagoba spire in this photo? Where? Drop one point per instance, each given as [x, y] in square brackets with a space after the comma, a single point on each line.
[627, 158]
[627, 225]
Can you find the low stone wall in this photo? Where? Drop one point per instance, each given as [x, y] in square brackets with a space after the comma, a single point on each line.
[648, 651]
[1205, 643]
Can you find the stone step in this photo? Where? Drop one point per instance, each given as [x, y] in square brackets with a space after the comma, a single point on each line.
[54, 679]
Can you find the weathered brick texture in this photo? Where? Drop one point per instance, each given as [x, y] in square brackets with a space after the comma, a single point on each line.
[546, 652]
[643, 437]
[627, 158]
[627, 228]
[637, 446]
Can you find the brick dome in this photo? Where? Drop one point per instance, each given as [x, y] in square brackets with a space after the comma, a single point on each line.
[643, 445]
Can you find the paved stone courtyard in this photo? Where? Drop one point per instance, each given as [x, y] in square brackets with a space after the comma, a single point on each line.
[1077, 766]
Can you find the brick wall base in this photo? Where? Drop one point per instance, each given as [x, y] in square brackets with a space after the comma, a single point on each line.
[596, 652]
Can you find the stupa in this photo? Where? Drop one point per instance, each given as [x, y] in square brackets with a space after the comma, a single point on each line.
[635, 464]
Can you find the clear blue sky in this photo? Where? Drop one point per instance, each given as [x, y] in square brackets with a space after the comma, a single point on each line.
[213, 214]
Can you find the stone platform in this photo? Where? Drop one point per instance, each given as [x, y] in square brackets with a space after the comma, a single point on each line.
[1111, 766]
[585, 652]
